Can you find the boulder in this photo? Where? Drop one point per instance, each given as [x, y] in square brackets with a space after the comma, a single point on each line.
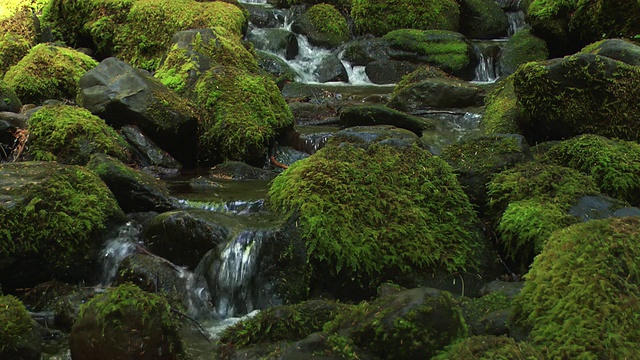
[122, 95]
[521, 48]
[331, 69]
[323, 25]
[363, 51]
[371, 115]
[278, 41]
[145, 151]
[436, 92]
[389, 71]
[483, 19]
[281, 71]
[8, 99]
[20, 338]
[618, 49]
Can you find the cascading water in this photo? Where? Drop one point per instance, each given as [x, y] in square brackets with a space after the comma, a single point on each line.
[487, 52]
[516, 21]
[116, 249]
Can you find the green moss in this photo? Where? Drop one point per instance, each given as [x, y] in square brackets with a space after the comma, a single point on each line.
[137, 31]
[423, 72]
[446, 49]
[15, 323]
[379, 17]
[502, 112]
[54, 211]
[581, 295]
[358, 208]
[481, 155]
[476, 308]
[70, 135]
[330, 24]
[12, 49]
[241, 114]
[48, 72]
[522, 47]
[614, 164]
[10, 7]
[489, 348]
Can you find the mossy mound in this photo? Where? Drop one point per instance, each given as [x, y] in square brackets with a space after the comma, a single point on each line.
[582, 93]
[53, 213]
[48, 72]
[137, 31]
[324, 26]
[126, 322]
[378, 17]
[241, 114]
[374, 214]
[23, 23]
[194, 51]
[12, 49]
[581, 295]
[16, 329]
[447, 50]
[521, 48]
[613, 164]
[69, 135]
[489, 348]
[530, 201]
[502, 113]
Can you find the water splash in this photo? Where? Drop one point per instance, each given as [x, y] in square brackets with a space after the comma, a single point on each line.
[516, 21]
[117, 249]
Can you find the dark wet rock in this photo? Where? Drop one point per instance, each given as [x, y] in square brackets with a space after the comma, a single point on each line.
[308, 113]
[371, 115]
[618, 49]
[278, 41]
[8, 99]
[522, 48]
[21, 338]
[482, 19]
[436, 92]
[331, 69]
[388, 71]
[146, 151]
[277, 67]
[381, 134]
[235, 170]
[265, 17]
[362, 52]
[67, 308]
[601, 207]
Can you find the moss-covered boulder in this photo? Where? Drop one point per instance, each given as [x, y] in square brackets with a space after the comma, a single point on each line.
[134, 190]
[620, 49]
[123, 95]
[522, 47]
[365, 136]
[380, 115]
[126, 322]
[378, 17]
[24, 23]
[483, 19]
[531, 201]
[12, 49]
[411, 324]
[613, 164]
[488, 314]
[51, 218]
[323, 25]
[502, 112]
[8, 99]
[69, 135]
[380, 213]
[241, 112]
[137, 31]
[192, 52]
[489, 348]
[582, 93]
[19, 336]
[476, 160]
[48, 72]
[581, 294]
[436, 93]
[448, 50]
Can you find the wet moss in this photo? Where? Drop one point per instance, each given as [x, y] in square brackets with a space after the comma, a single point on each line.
[580, 298]
[613, 164]
[12, 49]
[358, 208]
[502, 112]
[329, 23]
[379, 17]
[489, 348]
[522, 48]
[15, 323]
[48, 72]
[70, 135]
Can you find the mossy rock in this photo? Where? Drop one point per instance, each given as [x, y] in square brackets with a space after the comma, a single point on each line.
[619, 49]
[379, 17]
[241, 112]
[48, 72]
[19, 337]
[522, 47]
[365, 115]
[489, 348]
[277, 68]
[126, 322]
[436, 93]
[137, 31]
[582, 93]
[8, 99]
[613, 164]
[69, 135]
[51, 214]
[24, 24]
[448, 50]
[358, 208]
[483, 19]
[323, 25]
[487, 314]
[12, 49]
[135, 191]
[192, 52]
[581, 294]
[502, 112]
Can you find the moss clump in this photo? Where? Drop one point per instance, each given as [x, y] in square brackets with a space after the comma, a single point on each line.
[476, 308]
[137, 31]
[581, 295]
[241, 114]
[489, 348]
[502, 112]
[373, 214]
[12, 49]
[613, 164]
[15, 323]
[448, 50]
[182, 65]
[330, 25]
[522, 47]
[583, 93]
[70, 135]
[379, 17]
[124, 321]
[52, 210]
[48, 72]
[531, 201]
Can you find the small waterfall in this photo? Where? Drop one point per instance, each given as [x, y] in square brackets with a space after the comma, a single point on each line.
[487, 53]
[516, 21]
[357, 74]
[118, 248]
[308, 59]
